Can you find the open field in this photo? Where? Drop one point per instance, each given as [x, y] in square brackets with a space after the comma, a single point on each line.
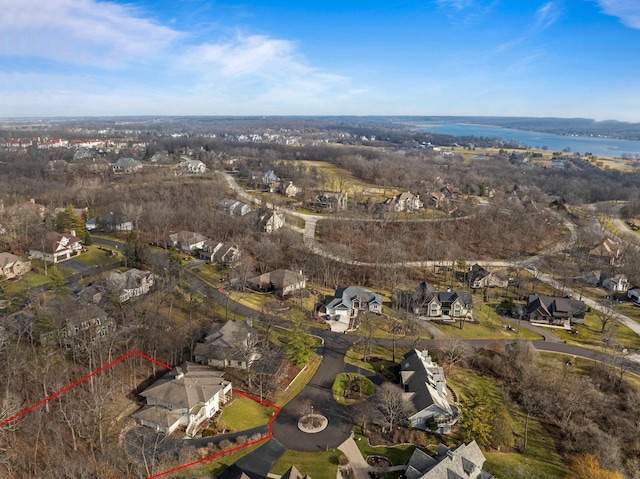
[318, 465]
[244, 413]
[541, 457]
[589, 334]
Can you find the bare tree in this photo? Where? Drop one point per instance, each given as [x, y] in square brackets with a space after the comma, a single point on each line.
[389, 401]
[453, 351]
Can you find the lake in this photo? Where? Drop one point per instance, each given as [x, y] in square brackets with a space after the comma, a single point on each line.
[535, 139]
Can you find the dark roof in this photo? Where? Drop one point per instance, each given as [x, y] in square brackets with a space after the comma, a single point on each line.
[555, 306]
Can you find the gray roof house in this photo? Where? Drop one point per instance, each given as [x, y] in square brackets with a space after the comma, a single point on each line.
[281, 281]
[131, 283]
[346, 304]
[234, 207]
[425, 386]
[186, 241]
[223, 345]
[12, 266]
[224, 254]
[270, 221]
[126, 165]
[478, 277]
[430, 304]
[463, 462]
[406, 201]
[554, 311]
[185, 396]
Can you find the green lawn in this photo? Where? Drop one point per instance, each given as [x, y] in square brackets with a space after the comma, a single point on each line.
[318, 465]
[342, 382]
[629, 309]
[589, 334]
[383, 366]
[490, 325]
[243, 413]
[99, 257]
[541, 457]
[398, 455]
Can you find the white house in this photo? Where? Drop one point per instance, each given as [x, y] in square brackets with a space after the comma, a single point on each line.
[126, 165]
[425, 386]
[406, 201]
[192, 167]
[188, 241]
[617, 283]
[56, 247]
[185, 396]
[465, 461]
[130, 283]
[270, 221]
[346, 304]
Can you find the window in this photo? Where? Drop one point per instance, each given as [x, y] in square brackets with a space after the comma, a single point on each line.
[456, 309]
[98, 321]
[434, 310]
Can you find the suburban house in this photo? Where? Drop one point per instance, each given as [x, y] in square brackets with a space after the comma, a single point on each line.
[187, 241]
[131, 283]
[289, 190]
[78, 323]
[226, 346]
[425, 386]
[126, 165]
[330, 201]
[554, 311]
[430, 304]
[478, 277]
[12, 266]
[280, 281]
[463, 462]
[56, 247]
[634, 295]
[234, 207]
[608, 252]
[618, 283]
[111, 222]
[404, 202]
[186, 396]
[341, 311]
[450, 191]
[223, 254]
[191, 167]
[270, 221]
[269, 179]
[438, 198]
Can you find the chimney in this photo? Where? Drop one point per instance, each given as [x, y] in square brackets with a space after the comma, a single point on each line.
[72, 232]
[32, 201]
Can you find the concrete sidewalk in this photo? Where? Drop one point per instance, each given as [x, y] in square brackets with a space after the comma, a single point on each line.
[356, 461]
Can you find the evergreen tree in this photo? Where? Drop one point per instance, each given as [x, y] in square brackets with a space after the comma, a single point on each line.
[67, 221]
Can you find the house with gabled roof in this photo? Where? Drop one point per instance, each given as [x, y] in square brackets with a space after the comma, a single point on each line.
[425, 386]
[223, 346]
[554, 311]
[329, 201]
[479, 277]
[191, 167]
[234, 207]
[608, 252]
[12, 266]
[188, 241]
[429, 304]
[288, 189]
[186, 396]
[126, 165]
[405, 201]
[463, 462]
[131, 283]
[280, 281]
[111, 222]
[341, 311]
[270, 221]
[56, 247]
[224, 254]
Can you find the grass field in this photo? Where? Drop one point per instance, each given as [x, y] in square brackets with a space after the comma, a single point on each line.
[589, 334]
[243, 413]
[318, 465]
[98, 257]
[490, 325]
[299, 383]
[398, 455]
[541, 457]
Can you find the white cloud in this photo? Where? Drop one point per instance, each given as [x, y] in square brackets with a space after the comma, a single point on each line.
[548, 14]
[628, 11]
[81, 32]
[455, 4]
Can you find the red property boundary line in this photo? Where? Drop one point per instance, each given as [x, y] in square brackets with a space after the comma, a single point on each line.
[233, 449]
[135, 352]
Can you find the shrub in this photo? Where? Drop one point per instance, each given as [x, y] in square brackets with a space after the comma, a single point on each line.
[343, 460]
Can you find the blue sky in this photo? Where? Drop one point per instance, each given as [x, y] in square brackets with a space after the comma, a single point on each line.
[563, 58]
